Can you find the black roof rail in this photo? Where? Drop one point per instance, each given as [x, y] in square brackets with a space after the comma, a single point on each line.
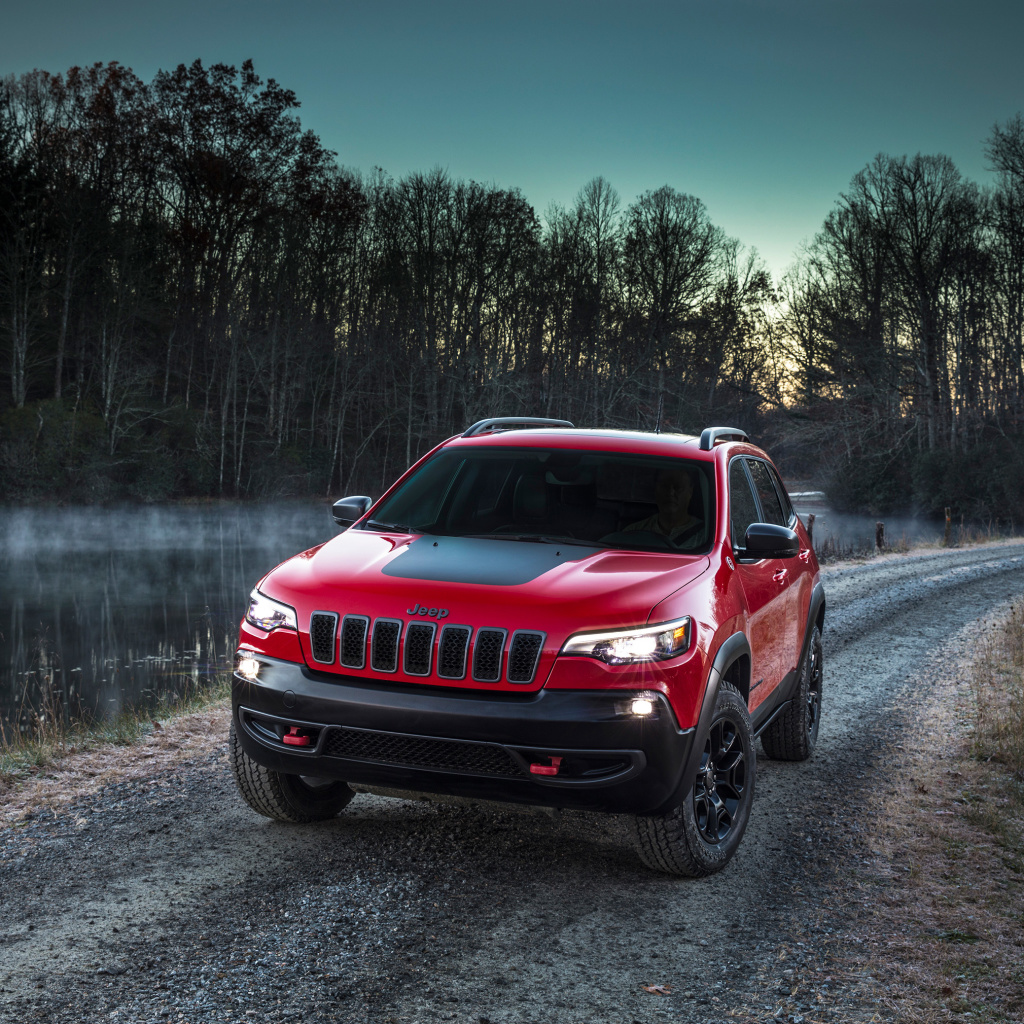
[510, 422]
[709, 436]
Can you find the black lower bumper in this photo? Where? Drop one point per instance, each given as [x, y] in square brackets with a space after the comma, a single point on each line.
[558, 748]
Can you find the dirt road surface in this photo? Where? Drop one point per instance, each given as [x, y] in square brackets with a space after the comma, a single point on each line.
[165, 898]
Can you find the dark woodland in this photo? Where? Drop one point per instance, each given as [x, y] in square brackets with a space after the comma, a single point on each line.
[197, 300]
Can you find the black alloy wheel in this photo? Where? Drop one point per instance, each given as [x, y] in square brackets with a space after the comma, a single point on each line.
[701, 835]
[720, 783]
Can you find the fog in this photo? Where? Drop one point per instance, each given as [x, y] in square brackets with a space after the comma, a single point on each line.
[101, 609]
[839, 533]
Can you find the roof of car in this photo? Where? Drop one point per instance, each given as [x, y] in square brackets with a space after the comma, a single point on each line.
[597, 439]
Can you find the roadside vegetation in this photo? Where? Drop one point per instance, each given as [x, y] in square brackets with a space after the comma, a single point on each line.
[48, 734]
[836, 549]
[943, 937]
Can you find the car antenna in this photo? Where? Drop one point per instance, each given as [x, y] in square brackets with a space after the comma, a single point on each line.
[661, 409]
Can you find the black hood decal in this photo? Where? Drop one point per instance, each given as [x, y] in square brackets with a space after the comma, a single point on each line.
[498, 563]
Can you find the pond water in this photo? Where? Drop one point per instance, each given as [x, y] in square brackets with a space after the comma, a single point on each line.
[837, 533]
[102, 609]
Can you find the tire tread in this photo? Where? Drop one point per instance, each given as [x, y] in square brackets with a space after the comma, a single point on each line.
[665, 842]
[266, 791]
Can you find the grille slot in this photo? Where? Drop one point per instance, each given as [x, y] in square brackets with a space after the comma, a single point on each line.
[451, 652]
[419, 645]
[353, 641]
[523, 655]
[420, 752]
[384, 645]
[322, 629]
[487, 650]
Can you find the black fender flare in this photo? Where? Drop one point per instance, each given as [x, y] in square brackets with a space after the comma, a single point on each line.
[815, 608]
[732, 647]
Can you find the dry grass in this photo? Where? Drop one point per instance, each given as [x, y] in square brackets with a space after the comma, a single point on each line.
[186, 736]
[54, 737]
[998, 686]
[944, 938]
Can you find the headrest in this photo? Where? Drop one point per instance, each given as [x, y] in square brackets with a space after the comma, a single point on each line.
[530, 500]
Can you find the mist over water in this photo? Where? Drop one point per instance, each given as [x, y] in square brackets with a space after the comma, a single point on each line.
[101, 609]
[839, 532]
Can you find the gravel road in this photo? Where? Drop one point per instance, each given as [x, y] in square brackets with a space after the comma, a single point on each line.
[167, 899]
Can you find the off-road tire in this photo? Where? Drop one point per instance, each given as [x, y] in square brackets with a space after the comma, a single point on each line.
[678, 843]
[794, 734]
[284, 797]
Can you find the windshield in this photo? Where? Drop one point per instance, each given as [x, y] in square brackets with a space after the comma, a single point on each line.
[604, 499]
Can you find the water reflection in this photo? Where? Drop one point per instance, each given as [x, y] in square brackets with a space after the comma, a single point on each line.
[101, 609]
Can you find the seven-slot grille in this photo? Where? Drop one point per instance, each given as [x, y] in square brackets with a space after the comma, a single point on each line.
[489, 646]
[322, 629]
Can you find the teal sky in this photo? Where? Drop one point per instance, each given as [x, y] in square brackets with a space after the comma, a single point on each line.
[764, 109]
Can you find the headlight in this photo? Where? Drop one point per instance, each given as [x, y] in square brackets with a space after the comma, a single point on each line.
[628, 646]
[268, 615]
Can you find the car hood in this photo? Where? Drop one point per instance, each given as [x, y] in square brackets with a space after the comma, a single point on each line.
[480, 581]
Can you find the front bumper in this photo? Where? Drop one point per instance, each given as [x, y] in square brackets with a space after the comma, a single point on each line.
[494, 746]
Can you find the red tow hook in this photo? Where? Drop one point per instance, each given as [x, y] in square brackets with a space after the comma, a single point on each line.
[546, 769]
[295, 737]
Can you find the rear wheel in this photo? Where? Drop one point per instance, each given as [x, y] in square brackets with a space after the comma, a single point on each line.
[700, 836]
[794, 734]
[292, 798]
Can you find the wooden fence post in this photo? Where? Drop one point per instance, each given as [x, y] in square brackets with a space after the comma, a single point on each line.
[810, 527]
[949, 523]
[880, 536]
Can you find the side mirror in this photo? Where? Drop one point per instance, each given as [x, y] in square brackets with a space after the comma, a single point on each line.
[765, 540]
[347, 510]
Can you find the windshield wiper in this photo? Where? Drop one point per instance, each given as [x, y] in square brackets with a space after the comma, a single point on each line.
[375, 524]
[537, 538]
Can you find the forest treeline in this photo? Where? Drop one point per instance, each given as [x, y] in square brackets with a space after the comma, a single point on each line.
[196, 299]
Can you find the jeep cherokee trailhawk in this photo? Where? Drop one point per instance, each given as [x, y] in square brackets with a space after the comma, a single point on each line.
[533, 613]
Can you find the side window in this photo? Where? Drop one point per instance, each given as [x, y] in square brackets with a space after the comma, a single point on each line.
[742, 507]
[787, 505]
[771, 507]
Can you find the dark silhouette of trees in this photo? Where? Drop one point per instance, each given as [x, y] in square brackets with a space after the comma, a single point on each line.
[196, 299]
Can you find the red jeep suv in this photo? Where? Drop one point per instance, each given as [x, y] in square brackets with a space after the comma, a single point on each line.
[533, 613]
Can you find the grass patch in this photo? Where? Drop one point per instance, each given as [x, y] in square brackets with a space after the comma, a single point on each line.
[943, 938]
[52, 734]
[997, 684]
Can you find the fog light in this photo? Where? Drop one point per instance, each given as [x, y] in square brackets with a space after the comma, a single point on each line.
[248, 667]
[642, 706]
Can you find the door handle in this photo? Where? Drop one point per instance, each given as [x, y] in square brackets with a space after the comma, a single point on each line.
[780, 575]
[805, 555]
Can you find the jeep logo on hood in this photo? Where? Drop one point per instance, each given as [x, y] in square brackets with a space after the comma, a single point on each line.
[431, 613]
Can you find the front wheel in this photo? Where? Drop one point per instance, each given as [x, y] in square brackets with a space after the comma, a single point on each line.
[700, 836]
[296, 799]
